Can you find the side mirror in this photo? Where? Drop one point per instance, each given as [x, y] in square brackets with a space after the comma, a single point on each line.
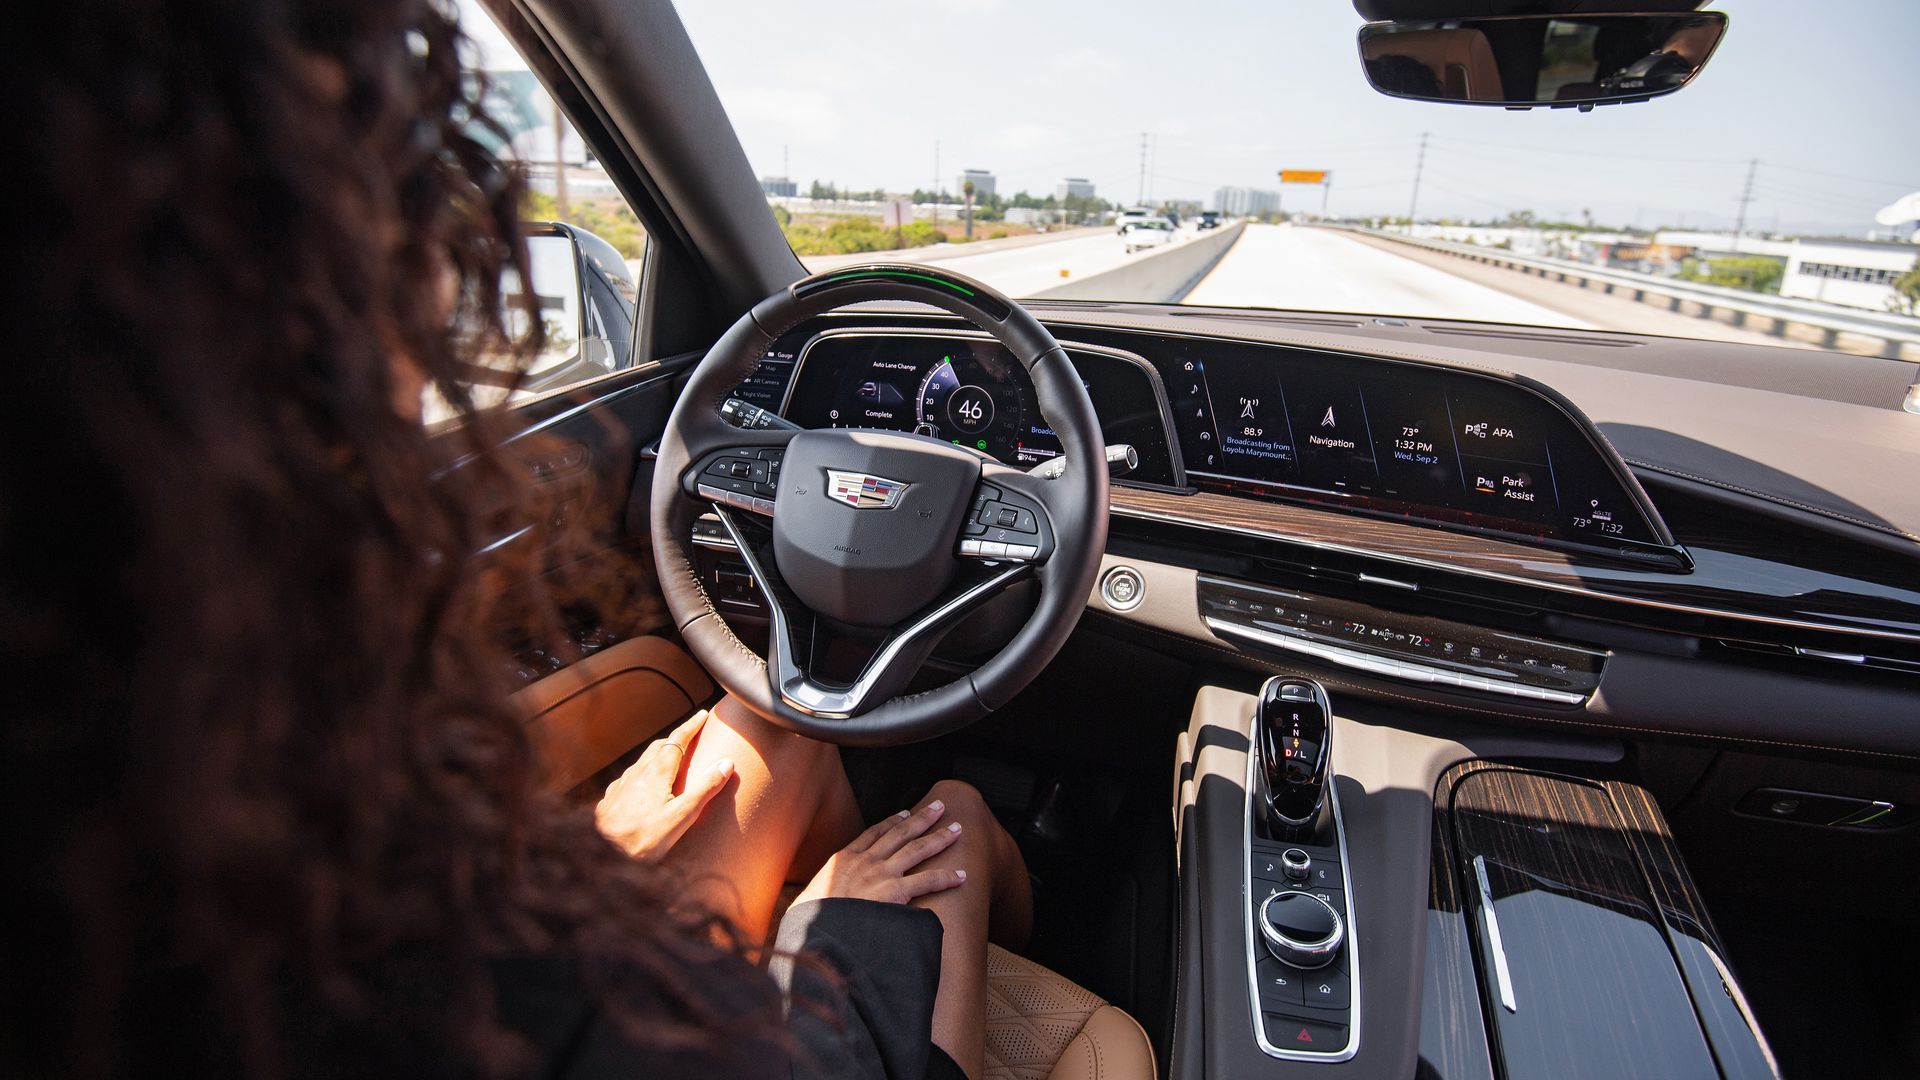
[587, 300]
[1551, 61]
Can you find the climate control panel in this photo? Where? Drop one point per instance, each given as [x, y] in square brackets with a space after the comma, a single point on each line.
[1399, 645]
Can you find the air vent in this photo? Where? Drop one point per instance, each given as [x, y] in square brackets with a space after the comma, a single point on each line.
[1834, 657]
[1289, 320]
[1529, 335]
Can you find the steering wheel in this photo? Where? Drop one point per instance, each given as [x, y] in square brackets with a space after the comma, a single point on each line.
[876, 543]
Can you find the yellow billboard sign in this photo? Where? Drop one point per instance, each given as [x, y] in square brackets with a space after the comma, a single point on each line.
[1303, 176]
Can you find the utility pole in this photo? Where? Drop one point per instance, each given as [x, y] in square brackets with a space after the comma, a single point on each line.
[559, 164]
[1419, 166]
[936, 183]
[786, 162]
[1746, 196]
[1140, 193]
[1326, 188]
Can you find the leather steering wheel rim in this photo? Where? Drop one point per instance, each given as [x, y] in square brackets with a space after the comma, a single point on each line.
[1075, 502]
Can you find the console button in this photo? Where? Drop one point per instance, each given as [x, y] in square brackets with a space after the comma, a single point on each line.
[1324, 875]
[1325, 989]
[1287, 1033]
[1267, 866]
[1279, 984]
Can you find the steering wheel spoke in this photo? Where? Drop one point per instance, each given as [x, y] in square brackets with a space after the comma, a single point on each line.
[742, 477]
[796, 636]
[1005, 522]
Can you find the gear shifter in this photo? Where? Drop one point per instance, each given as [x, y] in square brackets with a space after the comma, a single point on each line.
[1293, 736]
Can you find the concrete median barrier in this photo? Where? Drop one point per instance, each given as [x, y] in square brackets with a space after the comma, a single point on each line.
[1159, 276]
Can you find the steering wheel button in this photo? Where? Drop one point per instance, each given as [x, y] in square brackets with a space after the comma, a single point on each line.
[991, 550]
[1022, 551]
[970, 547]
[1008, 516]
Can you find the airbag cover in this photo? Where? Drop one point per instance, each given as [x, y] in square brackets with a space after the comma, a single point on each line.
[866, 522]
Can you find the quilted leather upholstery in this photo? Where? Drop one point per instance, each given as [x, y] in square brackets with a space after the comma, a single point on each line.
[1041, 1026]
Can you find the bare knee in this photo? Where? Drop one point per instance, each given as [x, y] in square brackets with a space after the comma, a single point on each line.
[990, 843]
[963, 802]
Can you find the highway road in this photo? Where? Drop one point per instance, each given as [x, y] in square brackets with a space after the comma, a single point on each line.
[1308, 269]
[1279, 266]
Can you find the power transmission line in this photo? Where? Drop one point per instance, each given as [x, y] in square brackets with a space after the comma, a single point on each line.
[1842, 176]
[1448, 140]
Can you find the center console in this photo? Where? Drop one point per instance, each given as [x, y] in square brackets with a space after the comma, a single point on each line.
[1361, 895]
[1301, 937]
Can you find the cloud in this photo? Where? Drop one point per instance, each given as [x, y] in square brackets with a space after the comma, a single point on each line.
[1024, 136]
[793, 115]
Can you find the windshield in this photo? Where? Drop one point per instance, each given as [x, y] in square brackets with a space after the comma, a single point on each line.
[1023, 133]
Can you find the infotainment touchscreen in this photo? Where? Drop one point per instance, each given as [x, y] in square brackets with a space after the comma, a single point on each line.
[1397, 438]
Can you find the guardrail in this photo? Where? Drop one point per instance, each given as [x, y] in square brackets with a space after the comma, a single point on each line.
[1898, 335]
[1160, 275]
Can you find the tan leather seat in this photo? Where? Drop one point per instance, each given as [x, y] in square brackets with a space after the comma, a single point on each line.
[1041, 1026]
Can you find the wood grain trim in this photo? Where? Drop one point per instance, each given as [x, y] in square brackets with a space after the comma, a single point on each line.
[1555, 827]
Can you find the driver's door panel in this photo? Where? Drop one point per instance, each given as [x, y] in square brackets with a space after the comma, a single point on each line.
[608, 675]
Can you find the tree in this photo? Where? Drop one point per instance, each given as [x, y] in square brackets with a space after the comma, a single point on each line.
[1906, 291]
[967, 190]
[1756, 273]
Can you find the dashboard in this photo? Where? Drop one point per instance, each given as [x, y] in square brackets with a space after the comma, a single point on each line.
[1454, 449]
[1360, 511]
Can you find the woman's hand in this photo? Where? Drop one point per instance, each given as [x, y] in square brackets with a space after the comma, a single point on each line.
[876, 865]
[641, 813]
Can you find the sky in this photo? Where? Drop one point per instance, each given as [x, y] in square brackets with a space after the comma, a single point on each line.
[1226, 92]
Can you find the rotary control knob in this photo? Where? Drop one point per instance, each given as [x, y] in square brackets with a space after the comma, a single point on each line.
[1301, 929]
[1295, 863]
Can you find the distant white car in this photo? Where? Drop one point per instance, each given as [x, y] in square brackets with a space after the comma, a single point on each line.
[1130, 215]
[1146, 233]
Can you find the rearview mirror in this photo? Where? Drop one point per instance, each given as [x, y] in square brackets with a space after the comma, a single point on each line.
[1523, 61]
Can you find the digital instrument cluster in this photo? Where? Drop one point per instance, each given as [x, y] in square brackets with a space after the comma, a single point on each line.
[1399, 439]
[971, 391]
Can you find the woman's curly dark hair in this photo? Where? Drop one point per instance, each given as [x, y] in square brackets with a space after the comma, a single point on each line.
[266, 811]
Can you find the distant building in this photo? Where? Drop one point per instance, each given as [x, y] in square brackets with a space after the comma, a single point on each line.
[1245, 202]
[779, 187]
[982, 182]
[1855, 273]
[1073, 187]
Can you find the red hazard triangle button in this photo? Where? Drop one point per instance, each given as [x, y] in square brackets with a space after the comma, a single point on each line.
[1305, 1034]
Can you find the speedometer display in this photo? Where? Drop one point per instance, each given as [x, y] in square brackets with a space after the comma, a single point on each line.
[957, 402]
[967, 389]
